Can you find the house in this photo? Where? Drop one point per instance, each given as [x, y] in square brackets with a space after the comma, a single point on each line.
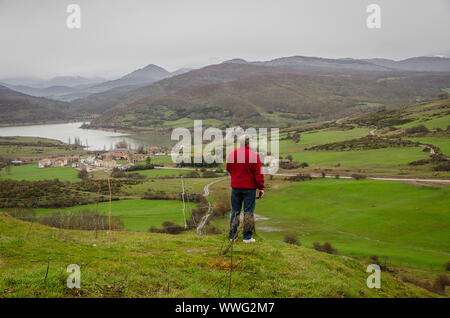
[57, 162]
[44, 163]
[118, 153]
[153, 150]
[138, 157]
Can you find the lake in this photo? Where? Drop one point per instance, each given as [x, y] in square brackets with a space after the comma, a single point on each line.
[92, 138]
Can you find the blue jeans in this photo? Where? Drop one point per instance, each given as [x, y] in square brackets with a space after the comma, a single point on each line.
[239, 196]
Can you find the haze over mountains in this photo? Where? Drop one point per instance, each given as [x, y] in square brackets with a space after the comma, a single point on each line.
[283, 90]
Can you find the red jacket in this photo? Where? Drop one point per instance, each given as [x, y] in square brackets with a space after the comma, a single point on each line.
[245, 168]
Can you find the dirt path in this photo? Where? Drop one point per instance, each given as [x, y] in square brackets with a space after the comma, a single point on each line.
[206, 193]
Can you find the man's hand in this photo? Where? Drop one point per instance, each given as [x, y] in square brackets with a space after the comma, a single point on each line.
[261, 194]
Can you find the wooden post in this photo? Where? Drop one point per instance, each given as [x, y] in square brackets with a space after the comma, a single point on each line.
[184, 204]
[109, 216]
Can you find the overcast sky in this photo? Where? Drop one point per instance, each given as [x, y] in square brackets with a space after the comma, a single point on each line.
[117, 37]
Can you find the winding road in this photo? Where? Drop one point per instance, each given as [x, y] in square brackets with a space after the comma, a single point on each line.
[206, 192]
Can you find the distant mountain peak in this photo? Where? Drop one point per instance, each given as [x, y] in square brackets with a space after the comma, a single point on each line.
[150, 71]
[236, 61]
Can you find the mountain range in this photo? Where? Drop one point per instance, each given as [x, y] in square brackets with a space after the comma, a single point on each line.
[291, 87]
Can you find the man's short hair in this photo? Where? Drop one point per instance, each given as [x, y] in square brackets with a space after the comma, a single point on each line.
[244, 140]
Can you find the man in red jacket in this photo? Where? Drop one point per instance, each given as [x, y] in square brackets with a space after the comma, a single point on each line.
[245, 168]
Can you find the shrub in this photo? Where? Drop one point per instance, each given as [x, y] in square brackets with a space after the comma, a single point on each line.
[325, 247]
[442, 167]
[440, 283]
[213, 230]
[84, 220]
[337, 176]
[289, 157]
[83, 174]
[193, 174]
[417, 129]
[135, 176]
[23, 214]
[304, 165]
[117, 173]
[357, 176]
[209, 174]
[324, 174]
[300, 177]
[147, 166]
[447, 266]
[222, 204]
[168, 228]
[290, 239]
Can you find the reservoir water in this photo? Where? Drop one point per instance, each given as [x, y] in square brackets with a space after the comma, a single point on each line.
[93, 139]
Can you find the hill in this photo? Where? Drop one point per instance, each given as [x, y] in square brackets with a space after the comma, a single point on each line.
[99, 103]
[415, 64]
[127, 264]
[16, 107]
[279, 99]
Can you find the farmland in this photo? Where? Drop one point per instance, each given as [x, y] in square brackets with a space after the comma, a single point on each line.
[137, 215]
[32, 172]
[408, 224]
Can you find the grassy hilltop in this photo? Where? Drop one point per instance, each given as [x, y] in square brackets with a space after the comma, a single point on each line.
[127, 264]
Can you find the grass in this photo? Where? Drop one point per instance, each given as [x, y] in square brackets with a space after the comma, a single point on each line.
[364, 158]
[154, 173]
[32, 172]
[172, 185]
[431, 123]
[320, 137]
[32, 152]
[127, 264]
[137, 215]
[407, 223]
[443, 143]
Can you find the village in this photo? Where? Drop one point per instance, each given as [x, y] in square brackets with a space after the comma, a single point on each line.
[121, 158]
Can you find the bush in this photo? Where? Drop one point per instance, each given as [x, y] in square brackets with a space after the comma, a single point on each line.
[222, 204]
[442, 167]
[290, 239]
[117, 173]
[326, 247]
[147, 166]
[168, 228]
[84, 220]
[417, 129]
[337, 176]
[440, 283]
[300, 177]
[83, 174]
[447, 266]
[193, 174]
[26, 215]
[358, 176]
[209, 174]
[135, 176]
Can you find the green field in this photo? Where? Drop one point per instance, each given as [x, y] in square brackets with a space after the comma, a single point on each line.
[30, 149]
[32, 172]
[443, 143]
[431, 123]
[170, 185]
[130, 264]
[137, 215]
[362, 159]
[154, 173]
[320, 137]
[407, 223]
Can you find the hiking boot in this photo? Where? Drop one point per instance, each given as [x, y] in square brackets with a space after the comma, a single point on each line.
[252, 240]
